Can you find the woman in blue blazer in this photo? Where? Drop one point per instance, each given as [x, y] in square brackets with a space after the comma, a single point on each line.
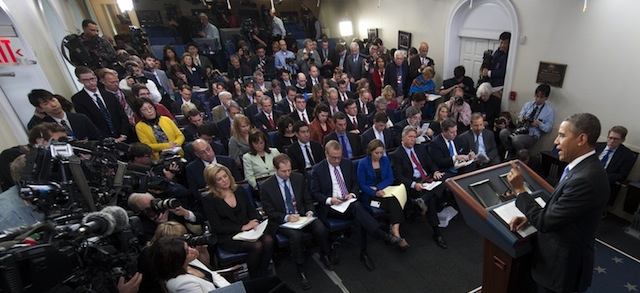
[374, 175]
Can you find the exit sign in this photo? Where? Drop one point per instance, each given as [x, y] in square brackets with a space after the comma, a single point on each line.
[10, 51]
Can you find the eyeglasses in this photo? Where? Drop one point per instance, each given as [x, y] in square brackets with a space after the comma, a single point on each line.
[613, 138]
[147, 109]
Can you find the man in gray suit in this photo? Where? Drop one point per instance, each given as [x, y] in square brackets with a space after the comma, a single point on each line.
[563, 249]
[481, 141]
[160, 75]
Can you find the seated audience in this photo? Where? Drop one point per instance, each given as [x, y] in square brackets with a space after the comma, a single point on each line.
[195, 120]
[78, 126]
[195, 74]
[285, 136]
[229, 212]
[158, 132]
[459, 80]
[350, 142]
[266, 119]
[486, 104]
[424, 82]
[257, 163]
[141, 91]
[239, 141]
[414, 118]
[481, 141]
[375, 174]
[304, 153]
[459, 110]
[207, 156]
[446, 150]
[442, 113]
[186, 98]
[322, 125]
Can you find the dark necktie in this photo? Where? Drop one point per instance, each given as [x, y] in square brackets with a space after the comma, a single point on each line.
[304, 118]
[364, 109]
[306, 149]
[604, 160]
[343, 186]
[271, 122]
[355, 123]
[345, 152]
[290, 201]
[105, 113]
[423, 175]
[66, 126]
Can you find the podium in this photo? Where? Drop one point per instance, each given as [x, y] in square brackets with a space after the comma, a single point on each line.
[506, 254]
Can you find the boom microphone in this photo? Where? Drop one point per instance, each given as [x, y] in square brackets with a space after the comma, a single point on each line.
[98, 223]
[119, 215]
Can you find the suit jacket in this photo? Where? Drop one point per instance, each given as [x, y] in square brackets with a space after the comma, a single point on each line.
[261, 121]
[224, 128]
[390, 140]
[284, 106]
[391, 77]
[340, 106]
[403, 168]
[439, 152]
[163, 81]
[146, 136]
[255, 167]
[348, 93]
[620, 164]
[218, 113]
[390, 114]
[204, 62]
[327, 70]
[367, 176]
[310, 82]
[468, 140]
[191, 283]
[563, 252]
[251, 111]
[354, 140]
[273, 200]
[84, 104]
[321, 184]
[268, 69]
[362, 123]
[177, 104]
[368, 105]
[190, 156]
[226, 221]
[415, 65]
[296, 117]
[195, 173]
[82, 127]
[297, 157]
[355, 69]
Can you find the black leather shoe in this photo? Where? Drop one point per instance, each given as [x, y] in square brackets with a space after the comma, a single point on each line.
[440, 242]
[304, 282]
[364, 258]
[328, 264]
[391, 239]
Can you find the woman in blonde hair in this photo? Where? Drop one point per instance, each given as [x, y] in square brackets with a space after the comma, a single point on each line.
[390, 94]
[229, 212]
[239, 141]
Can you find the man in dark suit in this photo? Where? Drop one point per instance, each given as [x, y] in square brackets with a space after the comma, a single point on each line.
[380, 106]
[333, 102]
[102, 107]
[340, 58]
[480, 141]
[206, 156]
[159, 77]
[302, 113]
[314, 77]
[356, 122]
[287, 105]
[355, 64]
[351, 147]
[327, 57]
[77, 125]
[109, 81]
[224, 125]
[396, 74]
[276, 92]
[362, 102]
[285, 198]
[616, 158]
[198, 59]
[563, 250]
[343, 92]
[381, 132]
[304, 153]
[267, 119]
[195, 120]
[301, 85]
[446, 150]
[185, 93]
[207, 132]
[334, 182]
[420, 61]
[265, 64]
[412, 166]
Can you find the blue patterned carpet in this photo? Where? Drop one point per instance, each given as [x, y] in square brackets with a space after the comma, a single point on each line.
[614, 271]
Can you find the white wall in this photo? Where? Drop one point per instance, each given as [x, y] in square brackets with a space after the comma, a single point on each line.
[600, 48]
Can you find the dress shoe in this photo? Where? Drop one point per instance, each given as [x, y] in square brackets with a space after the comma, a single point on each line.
[440, 242]
[304, 282]
[328, 264]
[364, 258]
[391, 239]
[403, 245]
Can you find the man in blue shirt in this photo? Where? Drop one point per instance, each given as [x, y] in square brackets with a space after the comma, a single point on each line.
[535, 119]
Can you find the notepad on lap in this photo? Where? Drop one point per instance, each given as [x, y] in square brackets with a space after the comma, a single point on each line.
[253, 234]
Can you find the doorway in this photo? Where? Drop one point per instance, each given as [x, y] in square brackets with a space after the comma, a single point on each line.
[471, 52]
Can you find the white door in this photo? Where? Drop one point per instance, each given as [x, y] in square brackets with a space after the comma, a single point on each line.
[471, 50]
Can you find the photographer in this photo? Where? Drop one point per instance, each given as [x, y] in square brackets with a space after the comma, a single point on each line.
[307, 56]
[459, 110]
[535, 119]
[495, 68]
[155, 211]
[100, 51]
[135, 74]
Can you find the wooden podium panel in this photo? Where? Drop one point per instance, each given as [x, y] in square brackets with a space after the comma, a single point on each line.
[506, 255]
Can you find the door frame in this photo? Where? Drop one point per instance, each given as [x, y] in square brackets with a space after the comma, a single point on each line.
[452, 43]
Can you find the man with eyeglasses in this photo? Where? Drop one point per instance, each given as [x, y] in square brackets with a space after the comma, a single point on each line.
[100, 106]
[616, 159]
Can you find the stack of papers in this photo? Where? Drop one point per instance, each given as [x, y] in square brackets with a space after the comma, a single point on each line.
[460, 164]
[342, 207]
[431, 186]
[301, 223]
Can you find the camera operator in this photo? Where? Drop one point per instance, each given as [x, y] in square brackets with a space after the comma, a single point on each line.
[535, 119]
[307, 56]
[101, 52]
[135, 74]
[459, 110]
[155, 211]
[494, 68]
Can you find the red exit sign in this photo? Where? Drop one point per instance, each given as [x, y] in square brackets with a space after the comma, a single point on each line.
[7, 53]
